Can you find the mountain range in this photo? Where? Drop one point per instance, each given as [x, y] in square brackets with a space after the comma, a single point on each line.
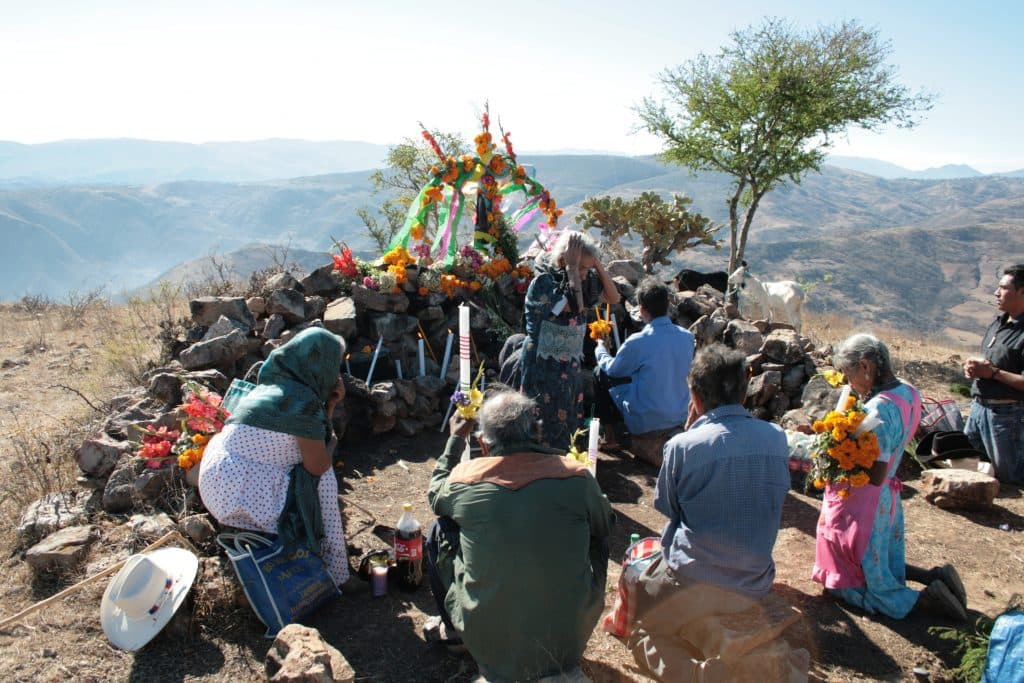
[920, 253]
[131, 161]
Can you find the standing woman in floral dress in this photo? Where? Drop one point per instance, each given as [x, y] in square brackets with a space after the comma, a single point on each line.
[568, 281]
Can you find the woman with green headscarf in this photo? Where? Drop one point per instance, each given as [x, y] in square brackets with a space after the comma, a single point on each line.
[245, 472]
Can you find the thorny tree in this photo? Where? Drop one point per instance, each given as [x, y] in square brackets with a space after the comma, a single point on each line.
[766, 107]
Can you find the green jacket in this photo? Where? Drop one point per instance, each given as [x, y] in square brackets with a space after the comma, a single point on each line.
[526, 575]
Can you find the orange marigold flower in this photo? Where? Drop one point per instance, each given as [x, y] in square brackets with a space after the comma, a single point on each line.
[417, 231]
[498, 164]
[859, 479]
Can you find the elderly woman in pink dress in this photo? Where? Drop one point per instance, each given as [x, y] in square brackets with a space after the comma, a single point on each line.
[860, 547]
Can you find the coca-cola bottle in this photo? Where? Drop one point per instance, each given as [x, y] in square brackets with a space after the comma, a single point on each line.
[409, 550]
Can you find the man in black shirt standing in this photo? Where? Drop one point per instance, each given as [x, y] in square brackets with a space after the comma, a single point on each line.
[996, 423]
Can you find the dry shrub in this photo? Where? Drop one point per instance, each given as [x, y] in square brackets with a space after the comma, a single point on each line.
[36, 460]
[80, 305]
[134, 341]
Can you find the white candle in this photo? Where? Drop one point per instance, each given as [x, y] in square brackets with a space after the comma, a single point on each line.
[348, 368]
[594, 440]
[422, 359]
[615, 331]
[398, 368]
[843, 395]
[447, 355]
[373, 361]
[464, 348]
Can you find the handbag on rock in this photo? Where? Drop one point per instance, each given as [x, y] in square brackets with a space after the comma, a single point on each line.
[283, 583]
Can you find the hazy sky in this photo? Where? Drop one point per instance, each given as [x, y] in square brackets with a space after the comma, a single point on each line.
[561, 75]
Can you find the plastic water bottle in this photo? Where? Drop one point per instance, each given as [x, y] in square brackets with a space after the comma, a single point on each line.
[633, 538]
[409, 550]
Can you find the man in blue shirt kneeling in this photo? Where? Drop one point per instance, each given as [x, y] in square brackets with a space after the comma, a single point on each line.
[646, 379]
[703, 608]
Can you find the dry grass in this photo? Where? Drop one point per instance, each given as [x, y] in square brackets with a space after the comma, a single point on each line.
[40, 424]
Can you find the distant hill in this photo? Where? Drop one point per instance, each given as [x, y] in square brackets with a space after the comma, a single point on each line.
[884, 169]
[133, 162]
[949, 235]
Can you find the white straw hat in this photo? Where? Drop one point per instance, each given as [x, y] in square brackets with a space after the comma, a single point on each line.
[145, 594]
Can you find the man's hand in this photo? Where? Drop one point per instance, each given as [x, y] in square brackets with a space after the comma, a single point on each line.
[460, 426]
[572, 257]
[978, 368]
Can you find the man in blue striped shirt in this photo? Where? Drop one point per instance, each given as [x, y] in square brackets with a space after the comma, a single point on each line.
[722, 485]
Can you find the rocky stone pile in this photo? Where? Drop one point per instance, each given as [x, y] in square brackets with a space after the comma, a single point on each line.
[229, 336]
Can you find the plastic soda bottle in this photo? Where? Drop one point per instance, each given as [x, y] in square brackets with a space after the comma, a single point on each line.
[633, 538]
[409, 550]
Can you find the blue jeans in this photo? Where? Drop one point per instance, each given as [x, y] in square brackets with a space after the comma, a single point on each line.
[999, 431]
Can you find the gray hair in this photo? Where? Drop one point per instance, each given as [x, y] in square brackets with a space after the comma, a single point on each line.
[719, 376]
[863, 346]
[554, 257]
[507, 417]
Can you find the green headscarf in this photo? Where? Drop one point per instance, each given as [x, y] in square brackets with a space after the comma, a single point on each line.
[293, 386]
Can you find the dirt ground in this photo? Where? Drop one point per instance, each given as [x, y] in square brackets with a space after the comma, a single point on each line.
[381, 637]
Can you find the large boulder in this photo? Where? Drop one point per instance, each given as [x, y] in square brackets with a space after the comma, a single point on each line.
[53, 512]
[63, 550]
[301, 655]
[340, 317]
[225, 326]
[288, 303]
[392, 326]
[783, 346]
[372, 300]
[119, 494]
[100, 453]
[206, 310]
[631, 270]
[743, 336]
[216, 352]
[321, 282]
[762, 388]
[957, 488]
[819, 397]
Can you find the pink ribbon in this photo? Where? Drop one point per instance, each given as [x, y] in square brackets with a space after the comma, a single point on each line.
[446, 236]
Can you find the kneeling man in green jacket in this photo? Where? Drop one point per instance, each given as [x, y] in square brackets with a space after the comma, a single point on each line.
[519, 555]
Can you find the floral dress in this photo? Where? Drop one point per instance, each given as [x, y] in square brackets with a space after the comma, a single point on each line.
[875, 581]
[553, 352]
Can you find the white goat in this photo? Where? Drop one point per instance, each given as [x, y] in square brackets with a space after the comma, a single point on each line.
[778, 300]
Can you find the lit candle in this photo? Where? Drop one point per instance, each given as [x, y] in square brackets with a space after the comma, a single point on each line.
[447, 355]
[595, 436]
[348, 368]
[373, 361]
[615, 331]
[422, 359]
[464, 367]
[398, 368]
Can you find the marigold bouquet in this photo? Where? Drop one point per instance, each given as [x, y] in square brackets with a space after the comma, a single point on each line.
[201, 416]
[846, 448]
[601, 328]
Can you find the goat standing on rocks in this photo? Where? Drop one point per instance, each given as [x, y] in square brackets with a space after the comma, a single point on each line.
[778, 300]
